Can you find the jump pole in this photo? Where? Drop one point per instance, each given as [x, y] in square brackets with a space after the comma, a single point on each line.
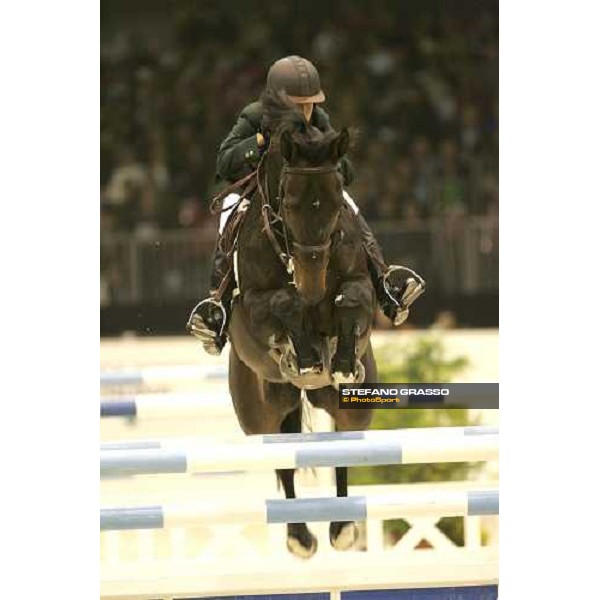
[256, 511]
[162, 374]
[390, 447]
[320, 436]
[165, 406]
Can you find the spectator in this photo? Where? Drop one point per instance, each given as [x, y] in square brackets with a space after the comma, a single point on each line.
[421, 86]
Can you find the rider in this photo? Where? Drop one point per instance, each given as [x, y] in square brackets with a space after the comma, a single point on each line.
[238, 157]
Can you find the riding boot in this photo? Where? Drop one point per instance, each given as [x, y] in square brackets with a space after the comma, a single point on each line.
[396, 287]
[208, 320]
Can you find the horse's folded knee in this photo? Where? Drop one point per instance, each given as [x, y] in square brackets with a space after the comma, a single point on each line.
[285, 302]
[355, 294]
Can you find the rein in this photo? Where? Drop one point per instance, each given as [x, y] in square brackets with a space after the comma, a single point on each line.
[245, 193]
[271, 218]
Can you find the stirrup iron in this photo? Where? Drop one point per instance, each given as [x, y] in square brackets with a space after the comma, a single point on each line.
[414, 286]
[202, 311]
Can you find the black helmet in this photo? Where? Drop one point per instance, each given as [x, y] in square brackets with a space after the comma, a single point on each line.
[298, 78]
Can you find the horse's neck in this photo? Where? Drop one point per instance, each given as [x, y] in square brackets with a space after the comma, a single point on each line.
[259, 266]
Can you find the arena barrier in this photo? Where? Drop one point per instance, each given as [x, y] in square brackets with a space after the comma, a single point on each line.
[347, 576]
[478, 592]
[291, 451]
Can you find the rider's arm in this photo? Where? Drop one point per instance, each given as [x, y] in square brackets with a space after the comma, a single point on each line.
[239, 153]
[322, 122]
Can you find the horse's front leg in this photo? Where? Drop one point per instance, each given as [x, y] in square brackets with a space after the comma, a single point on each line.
[289, 309]
[343, 534]
[354, 306]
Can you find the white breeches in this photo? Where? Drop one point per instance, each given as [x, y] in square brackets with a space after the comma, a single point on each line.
[230, 200]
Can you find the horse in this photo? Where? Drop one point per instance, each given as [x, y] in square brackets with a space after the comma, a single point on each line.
[302, 313]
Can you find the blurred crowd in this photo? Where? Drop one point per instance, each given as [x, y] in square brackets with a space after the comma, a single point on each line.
[418, 79]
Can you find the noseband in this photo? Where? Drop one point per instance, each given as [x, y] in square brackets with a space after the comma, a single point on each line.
[272, 218]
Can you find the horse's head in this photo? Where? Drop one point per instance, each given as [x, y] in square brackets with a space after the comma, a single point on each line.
[310, 194]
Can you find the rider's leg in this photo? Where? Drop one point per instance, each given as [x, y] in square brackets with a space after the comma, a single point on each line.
[208, 319]
[220, 262]
[396, 287]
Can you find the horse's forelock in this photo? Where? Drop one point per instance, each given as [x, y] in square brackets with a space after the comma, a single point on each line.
[316, 148]
[281, 115]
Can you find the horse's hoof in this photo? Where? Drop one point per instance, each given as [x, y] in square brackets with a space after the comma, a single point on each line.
[311, 369]
[304, 548]
[343, 536]
[339, 377]
[310, 363]
[345, 365]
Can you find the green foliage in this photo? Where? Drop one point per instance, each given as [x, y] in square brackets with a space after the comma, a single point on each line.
[414, 417]
[452, 527]
[423, 361]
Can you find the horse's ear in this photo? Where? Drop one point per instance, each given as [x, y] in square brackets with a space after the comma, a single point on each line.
[286, 145]
[341, 144]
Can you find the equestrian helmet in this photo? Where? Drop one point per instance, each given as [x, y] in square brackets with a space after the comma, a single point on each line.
[298, 78]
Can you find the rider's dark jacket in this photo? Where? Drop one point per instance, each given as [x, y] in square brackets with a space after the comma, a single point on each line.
[239, 153]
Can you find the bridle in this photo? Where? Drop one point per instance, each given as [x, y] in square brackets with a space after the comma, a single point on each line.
[287, 170]
[273, 222]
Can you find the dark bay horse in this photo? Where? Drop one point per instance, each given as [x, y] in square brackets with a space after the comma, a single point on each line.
[302, 318]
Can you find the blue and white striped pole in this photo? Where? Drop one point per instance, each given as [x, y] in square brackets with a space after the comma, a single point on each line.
[165, 406]
[153, 375]
[291, 451]
[251, 511]
[319, 436]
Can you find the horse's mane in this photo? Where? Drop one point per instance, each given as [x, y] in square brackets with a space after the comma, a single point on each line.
[281, 115]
